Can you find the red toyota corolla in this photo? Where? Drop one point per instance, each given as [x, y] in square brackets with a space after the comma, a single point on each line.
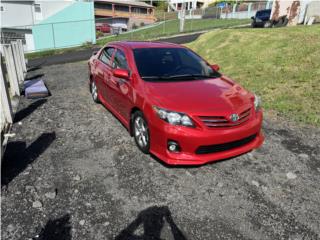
[175, 105]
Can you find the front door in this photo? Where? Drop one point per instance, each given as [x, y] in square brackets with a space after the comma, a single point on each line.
[104, 72]
[121, 89]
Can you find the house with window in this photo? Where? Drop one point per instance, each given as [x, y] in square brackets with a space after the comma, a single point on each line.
[47, 24]
[124, 13]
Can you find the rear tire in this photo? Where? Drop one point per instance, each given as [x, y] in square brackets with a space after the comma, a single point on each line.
[94, 92]
[140, 132]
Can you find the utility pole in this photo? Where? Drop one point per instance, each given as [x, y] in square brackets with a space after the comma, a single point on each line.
[182, 16]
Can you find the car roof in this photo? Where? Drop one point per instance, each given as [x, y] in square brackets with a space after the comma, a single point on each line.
[144, 44]
[265, 10]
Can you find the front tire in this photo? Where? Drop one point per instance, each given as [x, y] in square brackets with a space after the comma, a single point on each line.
[141, 132]
[267, 24]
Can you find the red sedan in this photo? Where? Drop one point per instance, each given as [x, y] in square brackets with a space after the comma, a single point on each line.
[175, 105]
[103, 27]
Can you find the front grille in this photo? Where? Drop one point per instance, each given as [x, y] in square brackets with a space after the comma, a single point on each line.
[221, 121]
[225, 146]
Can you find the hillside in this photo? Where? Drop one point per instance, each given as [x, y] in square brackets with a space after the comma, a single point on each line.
[282, 65]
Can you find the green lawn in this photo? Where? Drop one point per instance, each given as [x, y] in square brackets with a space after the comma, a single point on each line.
[282, 65]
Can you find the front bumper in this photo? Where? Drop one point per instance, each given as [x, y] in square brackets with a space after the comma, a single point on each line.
[191, 139]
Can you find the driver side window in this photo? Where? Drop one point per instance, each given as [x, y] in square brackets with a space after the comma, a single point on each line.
[120, 60]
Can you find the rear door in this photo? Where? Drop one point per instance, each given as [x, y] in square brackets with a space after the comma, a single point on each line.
[104, 71]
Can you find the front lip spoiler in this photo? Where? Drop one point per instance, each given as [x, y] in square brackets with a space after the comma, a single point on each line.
[176, 159]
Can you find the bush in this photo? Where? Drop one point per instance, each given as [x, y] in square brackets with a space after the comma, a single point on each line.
[161, 6]
[99, 34]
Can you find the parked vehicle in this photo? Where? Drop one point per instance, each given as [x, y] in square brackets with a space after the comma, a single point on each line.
[118, 28]
[262, 19]
[176, 106]
[103, 27]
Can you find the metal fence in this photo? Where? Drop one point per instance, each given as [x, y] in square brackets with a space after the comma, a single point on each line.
[244, 10]
[41, 37]
[13, 70]
[75, 33]
[57, 35]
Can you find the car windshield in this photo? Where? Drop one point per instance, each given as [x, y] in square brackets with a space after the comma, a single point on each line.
[171, 64]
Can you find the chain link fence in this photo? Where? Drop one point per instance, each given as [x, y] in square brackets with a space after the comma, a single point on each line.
[49, 36]
[169, 24]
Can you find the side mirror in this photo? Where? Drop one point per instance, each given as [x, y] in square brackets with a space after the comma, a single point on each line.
[252, 18]
[215, 67]
[94, 53]
[121, 73]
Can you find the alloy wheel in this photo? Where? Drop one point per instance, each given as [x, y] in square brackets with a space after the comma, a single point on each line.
[141, 132]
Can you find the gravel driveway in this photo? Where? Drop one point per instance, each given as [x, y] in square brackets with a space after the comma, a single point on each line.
[73, 172]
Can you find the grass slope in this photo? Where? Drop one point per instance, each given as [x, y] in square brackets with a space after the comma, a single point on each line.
[282, 65]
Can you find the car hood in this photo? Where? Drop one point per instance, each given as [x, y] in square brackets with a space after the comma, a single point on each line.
[218, 95]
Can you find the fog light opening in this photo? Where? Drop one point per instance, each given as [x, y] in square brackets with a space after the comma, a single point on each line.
[173, 146]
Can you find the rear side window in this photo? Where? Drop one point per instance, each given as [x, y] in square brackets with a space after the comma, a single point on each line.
[106, 55]
[120, 60]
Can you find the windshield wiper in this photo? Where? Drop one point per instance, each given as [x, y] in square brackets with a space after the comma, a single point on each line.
[188, 76]
[154, 78]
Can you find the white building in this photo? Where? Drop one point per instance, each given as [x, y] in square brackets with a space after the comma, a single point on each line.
[18, 17]
[28, 12]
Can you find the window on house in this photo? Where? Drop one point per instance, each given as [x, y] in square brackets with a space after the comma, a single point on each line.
[107, 6]
[37, 8]
[121, 8]
[138, 10]
[1, 8]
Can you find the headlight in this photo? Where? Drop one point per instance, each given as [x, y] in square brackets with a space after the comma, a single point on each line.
[257, 102]
[174, 118]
